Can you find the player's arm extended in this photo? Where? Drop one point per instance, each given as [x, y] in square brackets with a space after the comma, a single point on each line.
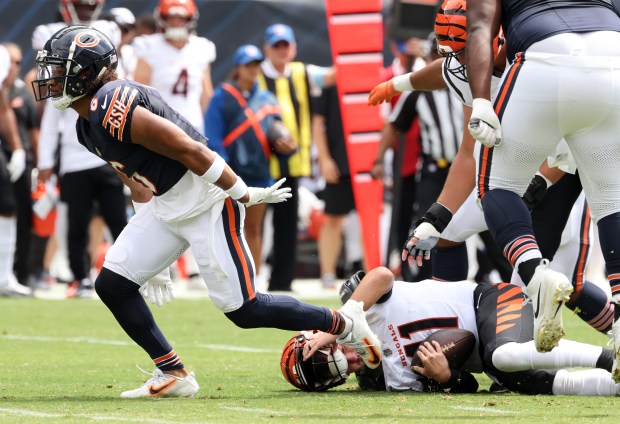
[428, 78]
[162, 136]
[461, 178]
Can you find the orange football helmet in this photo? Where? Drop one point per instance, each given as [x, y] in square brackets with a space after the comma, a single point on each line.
[89, 11]
[326, 369]
[183, 8]
[451, 27]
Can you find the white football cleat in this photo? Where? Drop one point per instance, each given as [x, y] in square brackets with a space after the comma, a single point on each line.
[13, 289]
[548, 291]
[164, 386]
[361, 338]
[615, 333]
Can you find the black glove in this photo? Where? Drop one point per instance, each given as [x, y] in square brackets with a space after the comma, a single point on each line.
[535, 192]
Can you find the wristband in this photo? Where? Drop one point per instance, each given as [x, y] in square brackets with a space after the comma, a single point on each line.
[215, 170]
[438, 216]
[402, 83]
[238, 190]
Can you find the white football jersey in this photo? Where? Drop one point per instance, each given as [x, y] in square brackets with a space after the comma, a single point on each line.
[178, 73]
[42, 33]
[5, 63]
[458, 86]
[410, 315]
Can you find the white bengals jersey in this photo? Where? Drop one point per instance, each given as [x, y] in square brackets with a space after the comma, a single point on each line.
[42, 33]
[5, 63]
[178, 74]
[412, 313]
[458, 85]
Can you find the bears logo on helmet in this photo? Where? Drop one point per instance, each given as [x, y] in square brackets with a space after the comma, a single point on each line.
[70, 62]
[326, 369]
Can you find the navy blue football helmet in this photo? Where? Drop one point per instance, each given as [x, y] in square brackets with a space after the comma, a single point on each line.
[71, 60]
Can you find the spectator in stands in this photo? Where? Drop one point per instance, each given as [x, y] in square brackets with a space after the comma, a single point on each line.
[328, 137]
[441, 122]
[292, 83]
[238, 124]
[22, 103]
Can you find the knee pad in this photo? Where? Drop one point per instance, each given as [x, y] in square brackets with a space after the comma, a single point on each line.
[109, 283]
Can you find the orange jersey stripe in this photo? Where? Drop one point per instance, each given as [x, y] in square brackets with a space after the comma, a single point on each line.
[239, 250]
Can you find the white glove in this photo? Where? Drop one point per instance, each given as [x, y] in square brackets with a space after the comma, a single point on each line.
[420, 244]
[159, 288]
[484, 124]
[17, 165]
[272, 194]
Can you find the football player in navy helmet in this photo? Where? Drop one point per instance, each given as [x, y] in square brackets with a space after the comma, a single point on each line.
[188, 197]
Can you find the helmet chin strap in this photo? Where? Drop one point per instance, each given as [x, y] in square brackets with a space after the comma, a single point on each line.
[177, 33]
[65, 101]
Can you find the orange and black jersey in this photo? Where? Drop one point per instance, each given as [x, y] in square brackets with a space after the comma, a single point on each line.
[108, 134]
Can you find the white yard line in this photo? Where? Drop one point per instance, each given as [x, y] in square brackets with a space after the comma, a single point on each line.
[38, 414]
[250, 410]
[481, 409]
[128, 343]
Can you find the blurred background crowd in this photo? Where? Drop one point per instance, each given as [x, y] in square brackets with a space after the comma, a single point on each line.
[256, 78]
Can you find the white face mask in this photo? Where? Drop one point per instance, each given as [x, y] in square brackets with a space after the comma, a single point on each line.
[177, 34]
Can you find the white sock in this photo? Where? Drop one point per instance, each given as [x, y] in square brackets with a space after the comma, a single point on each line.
[8, 238]
[585, 383]
[513, 357]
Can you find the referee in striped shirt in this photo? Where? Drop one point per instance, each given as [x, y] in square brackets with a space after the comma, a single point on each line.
[441, 126]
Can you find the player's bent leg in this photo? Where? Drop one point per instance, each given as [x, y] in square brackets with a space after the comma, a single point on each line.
[585, 383]
[285, 313]
[512, 357]
[609, 231]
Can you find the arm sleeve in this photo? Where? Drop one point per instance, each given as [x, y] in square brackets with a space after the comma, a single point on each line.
[404, 111]
[319, 104]
[215, 125]
[48, 140]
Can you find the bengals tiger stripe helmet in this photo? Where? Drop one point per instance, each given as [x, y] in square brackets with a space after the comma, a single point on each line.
[86, 11]
[326, 369]
[451, 27]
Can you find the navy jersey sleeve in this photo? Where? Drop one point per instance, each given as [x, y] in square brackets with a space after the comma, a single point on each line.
[113, 109]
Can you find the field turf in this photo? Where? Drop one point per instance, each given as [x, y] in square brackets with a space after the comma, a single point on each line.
[66, 361]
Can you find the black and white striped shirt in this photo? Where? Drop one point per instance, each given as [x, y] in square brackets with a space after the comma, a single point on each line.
[441, 121]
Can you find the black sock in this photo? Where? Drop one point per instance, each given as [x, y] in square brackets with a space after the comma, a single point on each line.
[122, 298]
[527, 268]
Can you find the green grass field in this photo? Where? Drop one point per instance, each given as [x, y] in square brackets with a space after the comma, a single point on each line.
[67, 361]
